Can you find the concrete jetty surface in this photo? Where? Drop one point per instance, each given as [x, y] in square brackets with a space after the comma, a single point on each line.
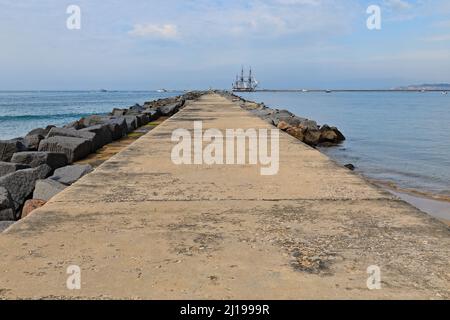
[141, 227]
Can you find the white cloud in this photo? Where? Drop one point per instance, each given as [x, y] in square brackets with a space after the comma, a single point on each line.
[166, 31]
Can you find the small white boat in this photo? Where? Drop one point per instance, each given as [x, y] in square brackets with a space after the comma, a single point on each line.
[161, 90]
[444, 92]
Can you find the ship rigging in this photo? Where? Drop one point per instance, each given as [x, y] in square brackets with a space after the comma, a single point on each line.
[245, 84]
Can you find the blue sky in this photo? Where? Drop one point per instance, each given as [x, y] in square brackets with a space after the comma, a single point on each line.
[184, 44]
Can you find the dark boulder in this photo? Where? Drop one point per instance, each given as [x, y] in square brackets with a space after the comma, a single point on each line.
[9, 147]
[143, 119]
[308, 124]
[311, 137]
[33, 138]
[103, 133]
[74, 148]
[137, 108]
[5, 225]
[339, 134]
[131, 123]
[95, 140]
[118, 127]
[7, 212]
[118, 112]
[93, 120]
[281, 115]
[350, 167]
[36, 158]
[152, 114]
[20, 184]
[330, 135]
[170, 109]
[69, 174]
[76, 125]
[10, 167]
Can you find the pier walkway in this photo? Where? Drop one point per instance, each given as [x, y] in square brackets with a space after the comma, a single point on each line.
[142, 227]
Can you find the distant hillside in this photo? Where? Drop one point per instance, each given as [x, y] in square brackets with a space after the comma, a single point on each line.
[434, 86]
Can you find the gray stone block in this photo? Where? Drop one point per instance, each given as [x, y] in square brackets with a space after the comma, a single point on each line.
[47, 189]
[36, 158]
[74, 148]
[69, 174]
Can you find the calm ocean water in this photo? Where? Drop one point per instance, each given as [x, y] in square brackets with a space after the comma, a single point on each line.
[22, 111]
[403, 138]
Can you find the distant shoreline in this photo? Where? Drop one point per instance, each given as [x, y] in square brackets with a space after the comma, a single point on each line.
[349, 90]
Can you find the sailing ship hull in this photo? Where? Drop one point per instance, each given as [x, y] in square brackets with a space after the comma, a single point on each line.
[243, 90]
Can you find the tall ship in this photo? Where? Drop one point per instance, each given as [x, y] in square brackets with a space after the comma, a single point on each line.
[245, 84]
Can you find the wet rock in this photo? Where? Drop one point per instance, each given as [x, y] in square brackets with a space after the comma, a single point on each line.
[69, 174]
[330, 135]
[311, 137]
[9, 167]
[339, 134]
[47, 189]
[20, 184]
[31, 205]
[327, 135]
[9, 147]
[350, 167]
[74, 148]
[36, 158]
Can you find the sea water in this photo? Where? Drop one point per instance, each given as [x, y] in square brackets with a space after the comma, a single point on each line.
[22, 111]
[401, 138]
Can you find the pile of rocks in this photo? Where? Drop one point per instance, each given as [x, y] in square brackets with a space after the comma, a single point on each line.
[307, 131]
[36, 167]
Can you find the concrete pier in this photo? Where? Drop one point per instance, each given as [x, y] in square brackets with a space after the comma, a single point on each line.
[142, 227]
